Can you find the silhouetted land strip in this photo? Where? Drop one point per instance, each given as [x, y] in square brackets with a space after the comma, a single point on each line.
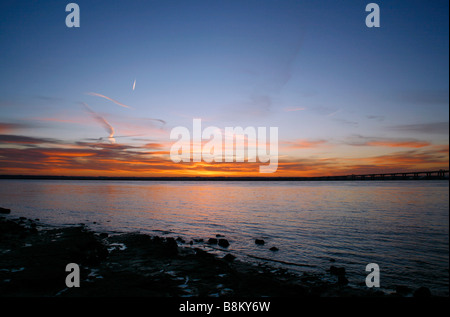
[426, 175]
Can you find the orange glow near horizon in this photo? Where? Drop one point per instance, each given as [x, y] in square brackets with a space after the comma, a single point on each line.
[21, 155]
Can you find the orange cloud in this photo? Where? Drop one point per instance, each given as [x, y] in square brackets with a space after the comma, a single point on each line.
[8, 127]
[359, 140]
[39, 156]
[407, 144]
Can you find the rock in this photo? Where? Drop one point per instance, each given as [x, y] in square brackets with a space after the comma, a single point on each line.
[11, 227]
[203, 254]
[332, 260]
[103, 235]
[219, 236]
[338, 271]
[83, 246]
[223, 243]
[181, 240]
[259, 241]
[422, 292]
[212, 241]
[342, 280]
[229, 257]
[5, 211]
[171, 247]
[274, 249]
[402, 290]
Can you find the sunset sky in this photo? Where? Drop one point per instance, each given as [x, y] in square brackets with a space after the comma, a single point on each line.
[102, 99]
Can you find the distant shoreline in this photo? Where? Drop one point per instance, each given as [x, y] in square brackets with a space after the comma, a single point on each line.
[369, 177]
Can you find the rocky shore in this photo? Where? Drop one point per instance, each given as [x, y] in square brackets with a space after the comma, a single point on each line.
[33, 263]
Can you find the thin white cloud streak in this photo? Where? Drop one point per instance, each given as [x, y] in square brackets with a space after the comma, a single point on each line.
[134, 84]
[108, 127]
[110, 99]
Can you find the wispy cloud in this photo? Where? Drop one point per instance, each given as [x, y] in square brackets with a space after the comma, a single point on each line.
[108, 127]
[431, 128]
[7, 127]
[21, 139]
[289, 109]
[376, 118]
[303, 144]
[108, 98]
[359, 140]
[31, 155]
[346, 122]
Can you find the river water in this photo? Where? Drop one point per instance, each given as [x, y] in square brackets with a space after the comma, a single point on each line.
[400, 225]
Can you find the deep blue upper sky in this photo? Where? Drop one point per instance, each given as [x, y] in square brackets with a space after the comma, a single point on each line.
[310, 67]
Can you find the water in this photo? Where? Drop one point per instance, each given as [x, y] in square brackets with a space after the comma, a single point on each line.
[400, 225]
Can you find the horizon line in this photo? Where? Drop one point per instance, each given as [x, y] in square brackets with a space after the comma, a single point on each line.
[435, 174]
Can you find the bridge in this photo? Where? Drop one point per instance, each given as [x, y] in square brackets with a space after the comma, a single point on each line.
[440, 174]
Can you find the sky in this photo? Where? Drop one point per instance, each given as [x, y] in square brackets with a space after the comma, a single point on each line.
[102, 99]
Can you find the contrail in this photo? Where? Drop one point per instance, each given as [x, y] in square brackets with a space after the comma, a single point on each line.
[134, 84]
[110, 99]
[159, 120]
[103, 122]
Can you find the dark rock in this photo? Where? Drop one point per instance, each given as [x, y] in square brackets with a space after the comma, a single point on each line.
[212, 241]
[191, 242]
[198, 240]
[33, 225]
[171, 247]
[203, 254]
[83, 246]
[403, 290]
[223, 243]
[137, 240]
[37, 219]
[219, 236]
[332, 260]
[259, 241]
[10, 227]
[229, 257]
[157, 239]
[181, 240]
[339, 271]
[342, 280]
[22, 218]
[5, 211]
[422, 292]
[273, 249]
[103, 235]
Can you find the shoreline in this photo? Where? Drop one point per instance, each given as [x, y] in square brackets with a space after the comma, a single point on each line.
[433, 175]
[33, 261]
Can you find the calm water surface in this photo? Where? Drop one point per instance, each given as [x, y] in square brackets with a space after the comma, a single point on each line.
[400, 225]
